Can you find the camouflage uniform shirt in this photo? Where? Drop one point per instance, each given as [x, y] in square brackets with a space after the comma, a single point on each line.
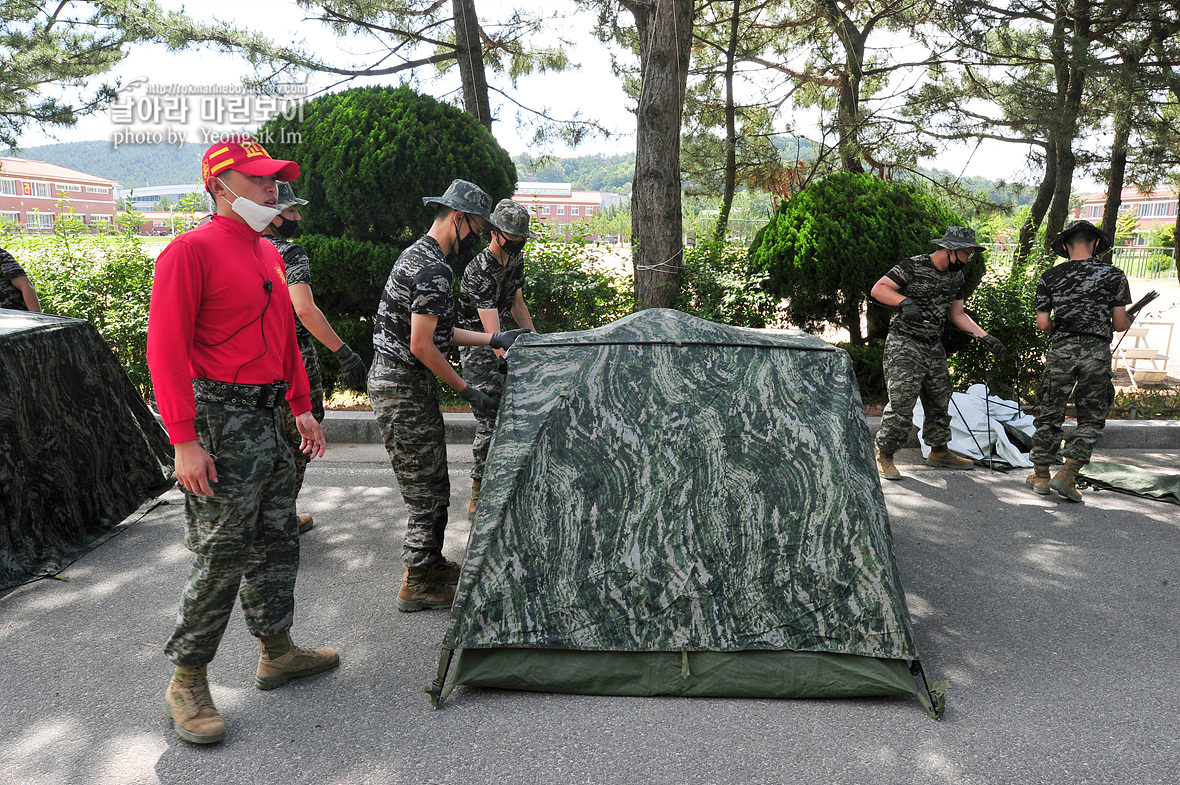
[421, 282]
[931, 290]
[1080, 295]
[489, 285]
[298, 271]
[10, 296]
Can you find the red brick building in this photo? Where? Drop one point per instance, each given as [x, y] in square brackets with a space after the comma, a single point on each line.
[32, 194]
[1153, 210]
[559, 203]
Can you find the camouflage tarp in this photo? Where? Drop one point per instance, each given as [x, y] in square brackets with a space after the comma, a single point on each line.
[670, 485]
[79, 449]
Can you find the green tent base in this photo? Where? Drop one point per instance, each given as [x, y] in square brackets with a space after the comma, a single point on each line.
[742, 674]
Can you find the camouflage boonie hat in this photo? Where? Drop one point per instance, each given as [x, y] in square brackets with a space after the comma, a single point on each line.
[512, 218]
[287, 198]
[1077, 227]
[465, 197]
[957, 238]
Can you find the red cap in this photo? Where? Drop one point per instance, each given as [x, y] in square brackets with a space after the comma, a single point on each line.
[248, 157]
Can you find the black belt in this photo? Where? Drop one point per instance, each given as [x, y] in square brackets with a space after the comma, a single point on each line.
[258, 396]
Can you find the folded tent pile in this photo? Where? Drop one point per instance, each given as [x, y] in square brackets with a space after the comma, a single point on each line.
[677, 507]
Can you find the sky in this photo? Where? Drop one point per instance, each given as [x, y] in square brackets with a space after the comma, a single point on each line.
[592, 90]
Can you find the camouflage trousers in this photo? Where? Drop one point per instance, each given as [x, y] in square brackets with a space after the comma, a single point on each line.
[1077, 365]
[915, 370]
[405, 401]
[244, 537]
[481, 368]
[315, 377]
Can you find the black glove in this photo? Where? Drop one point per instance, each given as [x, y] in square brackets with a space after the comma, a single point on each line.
[353, 366]
[506, 339]
[994, 345]
[479, 400]
[909, 309]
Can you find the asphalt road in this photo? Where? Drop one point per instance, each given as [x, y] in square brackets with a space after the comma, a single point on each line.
[1056, 624]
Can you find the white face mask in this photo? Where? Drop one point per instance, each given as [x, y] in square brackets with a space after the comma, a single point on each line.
[257, 216]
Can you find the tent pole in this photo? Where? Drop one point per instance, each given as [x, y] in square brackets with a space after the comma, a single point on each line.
[435, 690]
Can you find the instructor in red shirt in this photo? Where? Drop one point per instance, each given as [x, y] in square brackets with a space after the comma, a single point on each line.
[224, 359]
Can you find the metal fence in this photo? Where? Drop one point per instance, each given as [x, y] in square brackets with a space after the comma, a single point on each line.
[737, 230]
[1139, 262]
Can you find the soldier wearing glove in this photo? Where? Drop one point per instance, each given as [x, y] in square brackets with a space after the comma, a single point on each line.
[310, 325]
[415, 324]
[490, 294]
[926, 290]
[352, 366]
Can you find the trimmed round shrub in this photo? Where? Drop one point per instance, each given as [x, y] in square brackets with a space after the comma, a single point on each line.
[825, 248]
[369, 155]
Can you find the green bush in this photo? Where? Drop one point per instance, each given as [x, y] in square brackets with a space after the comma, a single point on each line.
[717, 285]
[370, 154]
[105, 279]
[565, 290]
[1003, 304]
[826, 247]
[867, 362]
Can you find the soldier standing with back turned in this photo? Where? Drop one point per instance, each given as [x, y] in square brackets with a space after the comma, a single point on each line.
[1078, 304]
[926, 290]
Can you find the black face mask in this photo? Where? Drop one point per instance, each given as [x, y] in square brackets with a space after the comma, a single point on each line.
[954, 267]
[467, 243]
[512, 247]
[287, 228]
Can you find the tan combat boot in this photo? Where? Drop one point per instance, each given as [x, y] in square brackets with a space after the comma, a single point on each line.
[446, 571]
[1065, 481]
[1039, 479]
[420, 592]
[471, 505]
[189, 704]
[886, 466]
[941, 456]
[306, 523]
[282, 661]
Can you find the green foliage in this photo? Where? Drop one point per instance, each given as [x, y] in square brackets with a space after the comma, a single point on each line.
[718, 286]
[610, 173]
[566, 290]
[868, 363]
[1163, 236]
[1003, 305]
[370, 155]
[826, 247]
[347, 277]
[105, 279]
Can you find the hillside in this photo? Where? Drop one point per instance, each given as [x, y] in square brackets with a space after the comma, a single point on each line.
[133, 166]
[138, 166]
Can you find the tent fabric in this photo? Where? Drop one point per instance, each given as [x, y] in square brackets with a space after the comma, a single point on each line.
[666, 484]
[1161, 486]
[984, 427]
[79, 449]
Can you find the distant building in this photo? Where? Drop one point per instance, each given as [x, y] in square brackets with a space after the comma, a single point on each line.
[165, 223]
[1153, 210]
[148, 197]
[559, 203]
[30, 193]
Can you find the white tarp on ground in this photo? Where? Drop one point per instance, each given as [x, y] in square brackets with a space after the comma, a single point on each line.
[977, 426]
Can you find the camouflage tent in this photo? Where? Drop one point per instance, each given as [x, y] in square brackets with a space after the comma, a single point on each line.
[677, 507]
[79, 448]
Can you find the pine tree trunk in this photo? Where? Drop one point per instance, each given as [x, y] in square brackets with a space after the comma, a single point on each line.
[470, 58]
[665, 33]
[1118, 171]
[1040, 206]
[730, 126]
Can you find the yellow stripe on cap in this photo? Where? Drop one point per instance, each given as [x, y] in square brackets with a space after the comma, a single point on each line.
[216, 153]
[215, 169]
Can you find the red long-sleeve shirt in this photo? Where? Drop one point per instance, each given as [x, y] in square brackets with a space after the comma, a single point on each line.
[208, 295]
